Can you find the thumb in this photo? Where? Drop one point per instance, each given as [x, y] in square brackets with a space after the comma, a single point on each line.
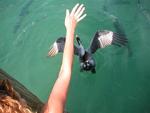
[67, 13]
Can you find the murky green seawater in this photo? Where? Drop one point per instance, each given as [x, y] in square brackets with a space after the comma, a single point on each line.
[122, 81]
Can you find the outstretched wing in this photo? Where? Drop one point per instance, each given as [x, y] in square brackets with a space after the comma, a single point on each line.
[106, 38]
[58, 46]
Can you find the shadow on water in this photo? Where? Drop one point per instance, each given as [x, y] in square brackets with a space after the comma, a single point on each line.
[122, 2]
[23, 13]
[145, 12]
[119, 29]
[116, 23]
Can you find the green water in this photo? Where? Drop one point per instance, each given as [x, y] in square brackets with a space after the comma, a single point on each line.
[121, 83]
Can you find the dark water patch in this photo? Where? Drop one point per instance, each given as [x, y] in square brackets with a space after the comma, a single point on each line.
[121, 2]
[6, 4]
[145, 11]
[23, 13]
[116, 3]
[25, 9]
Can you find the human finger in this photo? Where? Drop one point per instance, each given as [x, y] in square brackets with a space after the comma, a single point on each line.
[74, 9]
[67, 12]
[78, 10]
[80, 13]
[81, 17]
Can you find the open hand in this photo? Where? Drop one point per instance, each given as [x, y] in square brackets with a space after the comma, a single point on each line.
[74, 17]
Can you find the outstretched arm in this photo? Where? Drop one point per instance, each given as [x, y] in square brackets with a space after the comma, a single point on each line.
[57, 98]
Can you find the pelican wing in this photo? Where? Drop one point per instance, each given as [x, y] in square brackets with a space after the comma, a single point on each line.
[58, 46]
[106, 38]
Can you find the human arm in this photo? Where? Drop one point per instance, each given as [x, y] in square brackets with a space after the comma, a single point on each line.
[57, 98]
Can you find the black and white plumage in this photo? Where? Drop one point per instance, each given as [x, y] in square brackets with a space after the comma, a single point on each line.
[100, 40]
